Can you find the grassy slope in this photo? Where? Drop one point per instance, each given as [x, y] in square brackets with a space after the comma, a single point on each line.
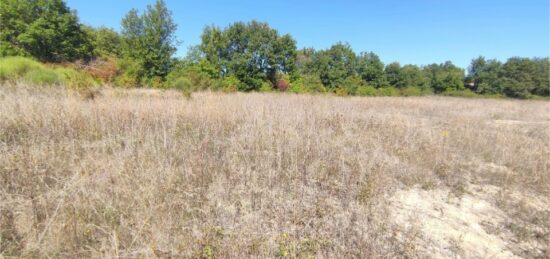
[146, 173]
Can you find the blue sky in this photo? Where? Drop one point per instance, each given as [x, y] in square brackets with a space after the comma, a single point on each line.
[411, 32]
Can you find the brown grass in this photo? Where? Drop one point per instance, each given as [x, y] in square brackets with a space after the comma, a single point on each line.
[132, 173]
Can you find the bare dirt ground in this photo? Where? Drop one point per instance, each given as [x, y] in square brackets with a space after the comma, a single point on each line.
[148, 173]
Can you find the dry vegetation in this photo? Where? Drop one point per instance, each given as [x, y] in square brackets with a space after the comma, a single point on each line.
[128, 173]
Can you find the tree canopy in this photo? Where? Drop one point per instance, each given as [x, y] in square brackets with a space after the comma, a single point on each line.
[149, 40]
[45, 29]
[243, 56]
[252, 52]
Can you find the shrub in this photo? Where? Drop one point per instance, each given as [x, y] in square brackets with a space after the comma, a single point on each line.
[132, 75]
[366, 90]
[74, 79]
[341, 92]
[297, 88]
[13, 68]
[351, 84]
[282, 85]
[182, 84]
[387, 91]
[460, 93]
[266, 87]
[307, 84]
[104, 69]
[411, 91]
[43, 77]
[227, 84]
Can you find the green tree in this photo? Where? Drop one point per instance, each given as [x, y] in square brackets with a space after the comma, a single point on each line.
[444, 77]
[148, 40]
[105, 41]
[334, 65]
[518, 77]
[542, 77]
[412, 76]
[252, 52]
[45, 29]
[393, 74]
[371, 69]
[484, 76]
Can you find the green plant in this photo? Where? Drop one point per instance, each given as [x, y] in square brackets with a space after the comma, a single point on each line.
[266, 87]
[43, 76]
[181, 83]
[13, 68]
[387, 91]
[411, 91]
[227, 84]
[366, 90]
[74, 79]
[460, 93]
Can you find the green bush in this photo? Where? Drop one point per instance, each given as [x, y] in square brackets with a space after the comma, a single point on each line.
[182, 84]
[351, 84]
[387, 91]
[341, 92]
[366, 90]
[43, 77]
[132, 75]
[26, 69]
[460, 93]
[74, 79]
[227, 84]
[14, 68]
[411, 91]
[297, 88]
[266, 87]
[307, 84]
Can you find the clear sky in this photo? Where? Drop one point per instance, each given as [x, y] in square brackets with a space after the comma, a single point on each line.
[411, 32]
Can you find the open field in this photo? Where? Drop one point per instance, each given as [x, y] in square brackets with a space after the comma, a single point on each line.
[142, 173]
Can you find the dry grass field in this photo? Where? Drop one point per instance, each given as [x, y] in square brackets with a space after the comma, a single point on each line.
[138, 173]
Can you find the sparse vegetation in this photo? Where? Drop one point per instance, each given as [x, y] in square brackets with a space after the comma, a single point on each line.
[146, 173]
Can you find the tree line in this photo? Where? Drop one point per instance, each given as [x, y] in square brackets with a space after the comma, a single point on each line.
[244, 56]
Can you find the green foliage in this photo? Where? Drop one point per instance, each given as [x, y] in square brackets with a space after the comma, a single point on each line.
[25, 69]
[197, 78]
[334, 65]
[307, 84]
[13, 68]
[243, 56]
[74, 79]
[371, 69]
[411, 91]
[227, 84]
[393, 74]
[484, 76]
[387, 91]
[460, 93]
[42, 77]
[523, 77]
[181, 83]
[366, 90]
[149, 41]
[351, 84]
[412, 75]
[48, 30]
[444, 77]
[253, 52]
[266, 87]
[105, 41]
[132, 73]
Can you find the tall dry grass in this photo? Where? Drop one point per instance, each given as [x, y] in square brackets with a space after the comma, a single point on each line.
[154, 174]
